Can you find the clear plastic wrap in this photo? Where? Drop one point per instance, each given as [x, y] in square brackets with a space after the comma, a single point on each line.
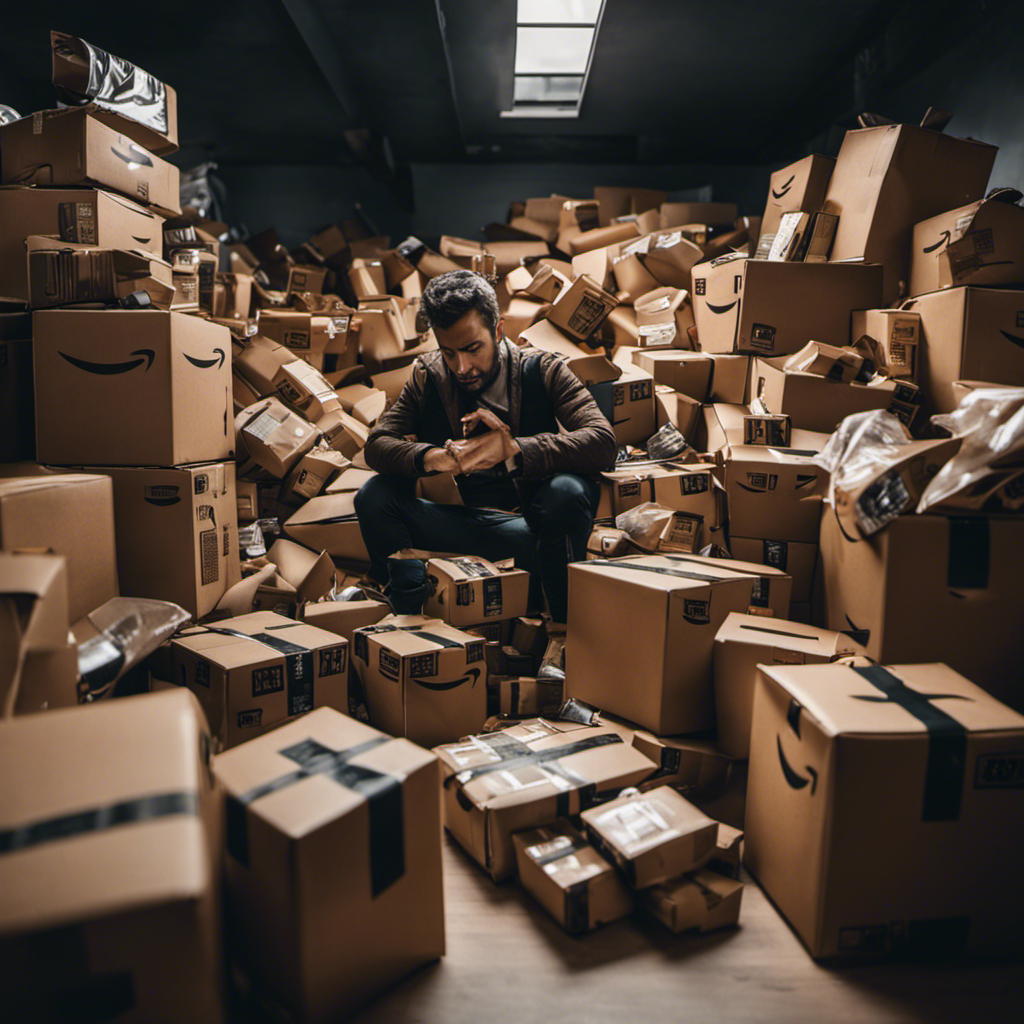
[990, 422]
[668, 443]
[645, 524]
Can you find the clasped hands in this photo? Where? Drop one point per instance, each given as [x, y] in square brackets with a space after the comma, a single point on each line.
[474, 453]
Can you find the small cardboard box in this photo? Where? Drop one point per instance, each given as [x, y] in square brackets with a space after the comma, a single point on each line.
[306, 390]
[653, 836]
[703, 901]
[797, 559]
[881, 776]
[797, 186]
[714, 214]
[70, 146]
[524, 697]
[580, 309]
[423, 678]
[568, 877]
[313, 473]
[682, 411]
[273, 438]
[701, 375]
[177, 533]
[745, 641]
[131, 388]
[663, 318]
[315, 337]
[676, 604]
[669, 256]
[254, 672]
[841, 364]
[300, 576]
[101, 866]
[466, 590]
[344, 617]
[330, 820]
[771, 308]
[88, 216]
[624, 394]
[329, 523]
[690, 488]
[70, 514]
[768, 429]
[694, 766]
[898, 332]
[527, 775]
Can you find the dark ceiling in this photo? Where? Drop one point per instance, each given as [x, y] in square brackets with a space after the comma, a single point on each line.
[422, 81]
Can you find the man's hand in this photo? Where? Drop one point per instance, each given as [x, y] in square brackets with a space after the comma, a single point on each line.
[484, 416]
[438, 460]
[483, 452]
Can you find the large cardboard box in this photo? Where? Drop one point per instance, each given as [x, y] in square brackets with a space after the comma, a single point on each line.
[968, 334]
[423, 678]
[467, 590]
[979, 244]
[625, 394]
[333, 863]
[574, 883]
[772, 308]
[177, 533]
[71, 147]
[887, 179]
[932, 586]
[71, 514]
[703, 376]
[580, 309]
[254, 672]
[746, 641]
[110, 880]
[88, 216]
[798, 186]
[655, 666]
[528, 775]
[131, 388]
[884, 809]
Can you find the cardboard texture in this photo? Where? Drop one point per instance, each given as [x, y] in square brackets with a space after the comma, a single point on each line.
[313, 473]
[519, 697]
[694, 766]
[525, 776]
[772, 309]
[677, 604]
[924, 794]
[651, 837]
[567, 876]
[968, 334]
[701, 375]
[932, 586]
[177, 533]
[682, 411]
[704, 901]
[328, 523]
[344, 617]
[887, 179]
[714, 214]
[97, 371]
[17, 409]
[624, 394]
[273, 438]
[70, 514]
[616, 202]
[798, 186]
[467, 589]
[664, 317]
[321, 339]
[300, 576]
[103, 865]
[72, 147]
[898, 331]
[798, 559]
[423, 678]
[329, 820]
[745, 641]
[254, 672]
[580, 308]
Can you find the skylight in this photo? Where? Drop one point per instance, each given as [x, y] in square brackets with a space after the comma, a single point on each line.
[554, 48]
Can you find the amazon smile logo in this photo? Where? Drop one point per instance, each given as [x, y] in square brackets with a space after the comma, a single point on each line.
[943, 240]
[1016, 339]
[205, 364]
[146, 355]
[785, 187]
[722, 309]
[471, 674]
[135, 157]
[793, 778]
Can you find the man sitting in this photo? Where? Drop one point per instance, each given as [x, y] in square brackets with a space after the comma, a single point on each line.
[488, 412]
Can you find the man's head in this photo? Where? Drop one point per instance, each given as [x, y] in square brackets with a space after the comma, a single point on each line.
[462, 309]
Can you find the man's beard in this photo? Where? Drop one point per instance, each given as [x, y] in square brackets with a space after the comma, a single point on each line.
[484, 382]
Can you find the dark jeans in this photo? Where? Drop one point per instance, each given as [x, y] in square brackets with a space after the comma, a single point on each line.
[552, 532]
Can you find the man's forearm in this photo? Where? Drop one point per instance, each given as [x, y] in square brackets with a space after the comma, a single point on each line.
[396, 456]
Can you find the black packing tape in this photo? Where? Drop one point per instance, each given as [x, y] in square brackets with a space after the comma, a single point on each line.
[577, 908]
[947, 742]
[493, 698]
[625, 864]
[514, 698]
[969, 553]
[383, 794]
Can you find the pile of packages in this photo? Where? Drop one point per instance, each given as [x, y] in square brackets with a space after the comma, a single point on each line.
[820, 417]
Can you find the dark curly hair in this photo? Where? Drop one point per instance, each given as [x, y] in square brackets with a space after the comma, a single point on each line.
[447, 298]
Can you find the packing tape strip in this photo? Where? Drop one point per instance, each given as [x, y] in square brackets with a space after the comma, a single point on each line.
[383, 794]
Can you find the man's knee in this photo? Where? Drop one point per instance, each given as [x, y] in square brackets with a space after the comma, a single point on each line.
[378, 494]
[565, 501]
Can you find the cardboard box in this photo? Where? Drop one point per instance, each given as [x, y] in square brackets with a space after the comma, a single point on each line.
[569, 878]
[313, 473]
[624, 394]
[694, 766]
[306, 390]
[329, 820]
[580, 309]
[798, 186]
[525, 776]
[968, 334]
[70, 146]
[524, 697]
[87, 216]
[17, 409]
[715, 214]
[797, 559]
[176, 533]
[651, 837]
[70, 514]
[703, 901]
[841, 364]
[254, 672]
[103, 865]
[767, 429]
[669, 256]
[300, 576]
[466, 590]
[328, 523]
[701, 375]
[663, 318]
[772, 309]
[344, 617]
[898, 331]
[979, 244]
[818, 404]
[887, 179]
[676, 603]
[745, 641]
[423, 678]
[932, 586]
[272, 438]
[884, 775]
[616, 202]
[131, 388]
[682, 411]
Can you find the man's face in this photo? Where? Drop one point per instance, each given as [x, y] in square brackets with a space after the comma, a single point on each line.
[469, 351]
